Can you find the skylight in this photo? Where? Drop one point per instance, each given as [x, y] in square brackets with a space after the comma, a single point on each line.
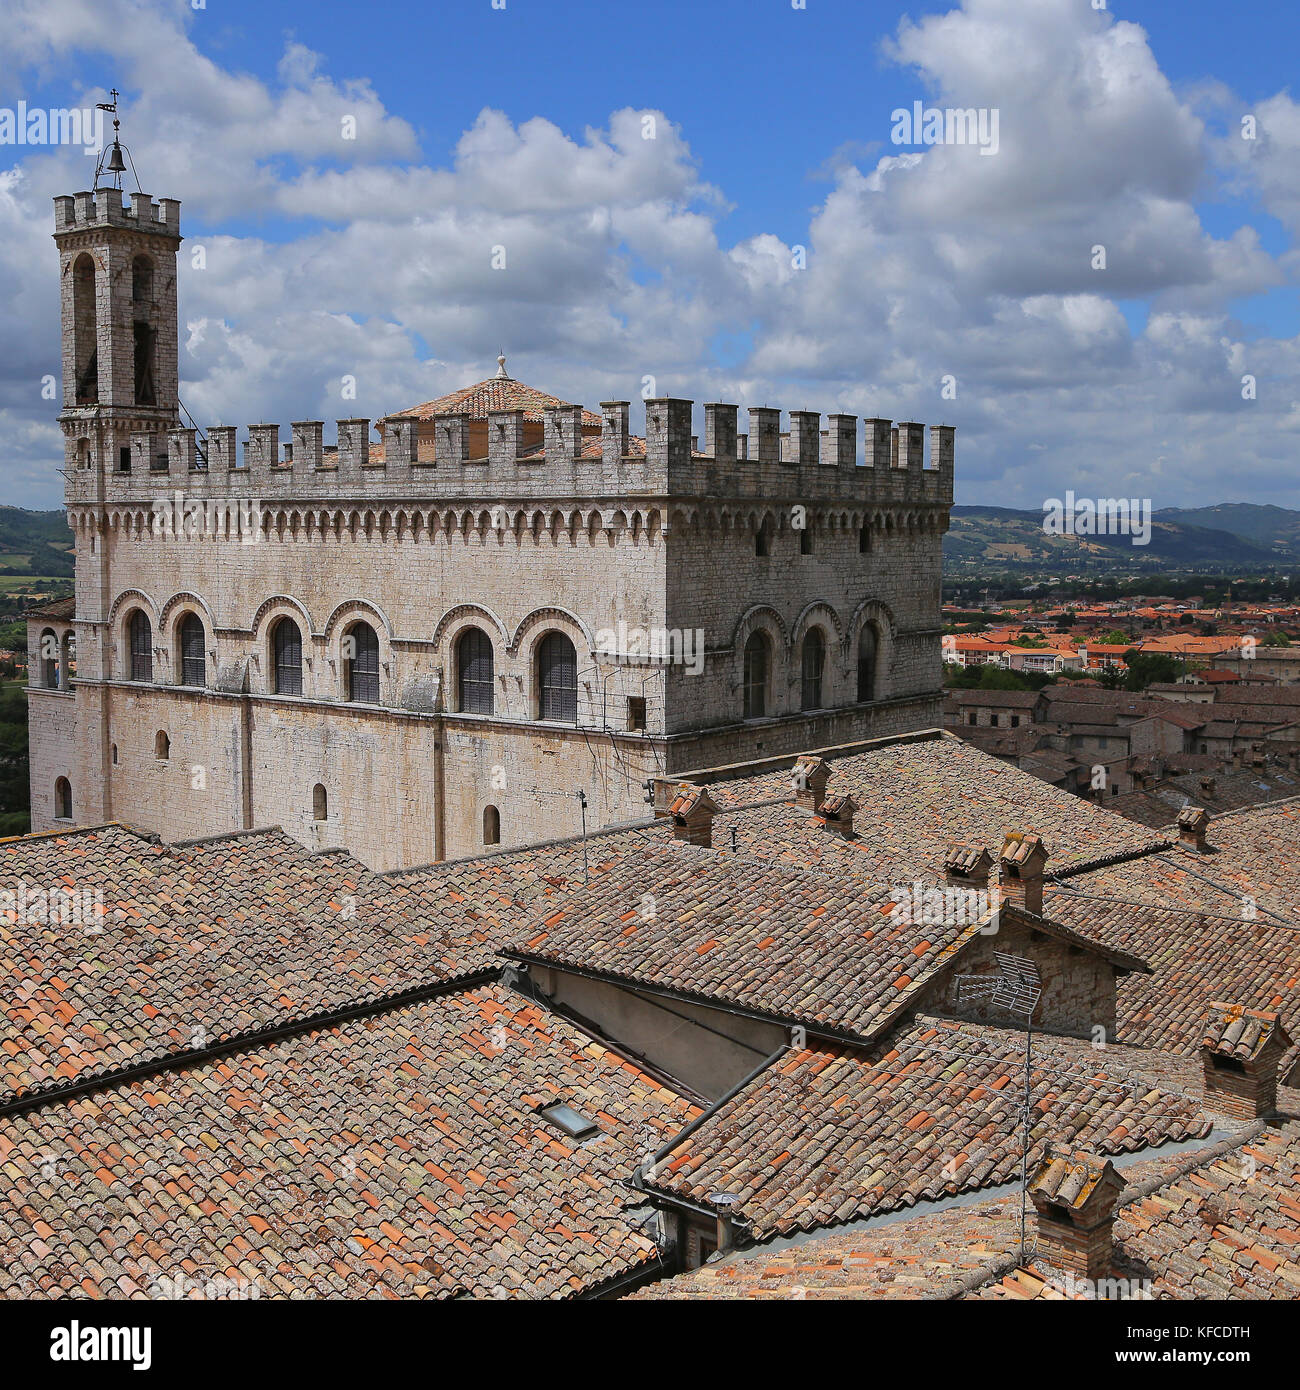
[569, 1121]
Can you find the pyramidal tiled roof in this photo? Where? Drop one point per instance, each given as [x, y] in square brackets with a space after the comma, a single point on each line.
[495, 393]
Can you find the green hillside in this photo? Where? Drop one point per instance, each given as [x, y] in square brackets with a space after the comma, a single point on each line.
[34, 543]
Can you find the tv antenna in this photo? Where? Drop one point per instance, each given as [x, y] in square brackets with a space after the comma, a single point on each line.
[1015, 990]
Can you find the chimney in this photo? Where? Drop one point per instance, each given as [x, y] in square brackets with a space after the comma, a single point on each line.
[1074, 1194]
[1021, 871]
[1193, 822]
[837, 814]
[809, 779]
[967, 866]
[1241, 1049]
[691, 812]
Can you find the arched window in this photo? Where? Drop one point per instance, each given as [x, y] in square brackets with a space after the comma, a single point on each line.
[84, 332]
[757, 651]
[286, 644]
[320, 803]
[49, 659]
[557, 679]
[474, 671]
[361, 653]
[867, 646]
[162, 745]
[193, 660]
[762, 540]
[63, 799]
[141, 631]
[814, 663]
[491, 826]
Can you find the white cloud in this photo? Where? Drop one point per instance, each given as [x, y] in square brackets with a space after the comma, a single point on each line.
[924, 263]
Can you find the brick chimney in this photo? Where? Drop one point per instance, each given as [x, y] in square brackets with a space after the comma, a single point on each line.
[967, 866]
[837, 814]
[691, 812]
[810, 776]
[1241, 1049]
[1193, 822]
[1021, 871]
[1074, 1194]
[1207, 787]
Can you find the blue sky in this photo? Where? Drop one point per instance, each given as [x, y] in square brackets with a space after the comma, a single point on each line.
[778, 136]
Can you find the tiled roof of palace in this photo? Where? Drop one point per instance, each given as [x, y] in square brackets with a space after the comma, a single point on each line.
[495, 393]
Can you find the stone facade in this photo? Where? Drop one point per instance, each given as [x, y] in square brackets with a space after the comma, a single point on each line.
[658, 560]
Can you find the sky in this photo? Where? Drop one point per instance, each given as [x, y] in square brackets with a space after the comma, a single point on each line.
[710, 200]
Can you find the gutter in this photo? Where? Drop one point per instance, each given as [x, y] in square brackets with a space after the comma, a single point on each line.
[638, 1179]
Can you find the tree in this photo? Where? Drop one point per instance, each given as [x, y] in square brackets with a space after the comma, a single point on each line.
[1146, 668]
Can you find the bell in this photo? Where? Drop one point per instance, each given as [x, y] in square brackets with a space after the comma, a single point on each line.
[116, 165]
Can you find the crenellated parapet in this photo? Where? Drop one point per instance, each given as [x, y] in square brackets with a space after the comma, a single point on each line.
[816, 460]
[105, 207]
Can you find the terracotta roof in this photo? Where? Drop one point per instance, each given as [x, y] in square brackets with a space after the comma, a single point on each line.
[1197, 956]
[1228, 1228]
[1233, 1031]
[793, 947]
[830, 1135]
[496, 393]
[918, 798]
[902, 1259]
[1256, 868]
[392, 1156]
[1068, 1177]
[178, 948]
[61, 610]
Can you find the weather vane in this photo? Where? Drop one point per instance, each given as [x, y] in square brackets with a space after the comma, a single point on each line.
[112, 165]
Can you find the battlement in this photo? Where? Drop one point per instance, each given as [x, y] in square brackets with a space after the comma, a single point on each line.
[105, 207]
[848, 461]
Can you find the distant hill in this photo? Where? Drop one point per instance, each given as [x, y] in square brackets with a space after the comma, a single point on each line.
[1004, 538]
[35, 543]
[1275, 527]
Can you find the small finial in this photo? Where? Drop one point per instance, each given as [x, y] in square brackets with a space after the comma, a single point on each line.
[502, 374]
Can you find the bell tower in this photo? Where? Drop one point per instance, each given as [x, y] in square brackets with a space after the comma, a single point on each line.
[117, 272]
